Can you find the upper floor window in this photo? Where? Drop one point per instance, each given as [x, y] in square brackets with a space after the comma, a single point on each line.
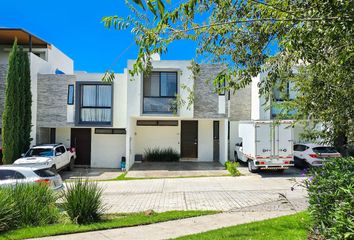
[160, 90]
[95, 103]
[70, 94]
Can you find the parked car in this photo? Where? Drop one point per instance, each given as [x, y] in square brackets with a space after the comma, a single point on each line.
[312, 155]
[53, 156]
[11, 175]
[265, 145]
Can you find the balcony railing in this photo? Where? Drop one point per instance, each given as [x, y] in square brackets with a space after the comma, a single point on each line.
[164, 105]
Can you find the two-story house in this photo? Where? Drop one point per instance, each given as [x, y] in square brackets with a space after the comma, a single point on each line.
[108, 121]
[44, 57]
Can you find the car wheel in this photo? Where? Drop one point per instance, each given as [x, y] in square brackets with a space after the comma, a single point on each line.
[297, 162]
[71, 164]
[251, 167]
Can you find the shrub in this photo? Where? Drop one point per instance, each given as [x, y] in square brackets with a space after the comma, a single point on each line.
[83, 202]
[232, 168]
[331, 198]
[8, 211]
[35, 203]
[161, 155]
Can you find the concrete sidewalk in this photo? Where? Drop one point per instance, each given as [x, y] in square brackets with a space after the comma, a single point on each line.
[178, 228]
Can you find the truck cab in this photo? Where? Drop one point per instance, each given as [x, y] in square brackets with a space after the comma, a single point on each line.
[55, 156]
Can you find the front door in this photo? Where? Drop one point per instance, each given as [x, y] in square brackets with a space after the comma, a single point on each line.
[81, 141]
[189, 139]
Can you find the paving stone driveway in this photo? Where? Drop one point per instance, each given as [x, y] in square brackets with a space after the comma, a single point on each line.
[209, 193]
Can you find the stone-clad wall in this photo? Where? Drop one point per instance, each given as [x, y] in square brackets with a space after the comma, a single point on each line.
[52, 93]
[206, 100]
[240, 104]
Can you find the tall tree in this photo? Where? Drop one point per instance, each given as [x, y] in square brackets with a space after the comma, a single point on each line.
[308, 43]
[25, 103]
[11, 116]
[18, 100]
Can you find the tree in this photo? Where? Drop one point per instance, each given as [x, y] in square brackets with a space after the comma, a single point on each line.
[25, 103]
[16, 120]
[274, 36]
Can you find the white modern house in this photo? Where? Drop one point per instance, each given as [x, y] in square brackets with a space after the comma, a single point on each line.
[44, 58]
[108, 121]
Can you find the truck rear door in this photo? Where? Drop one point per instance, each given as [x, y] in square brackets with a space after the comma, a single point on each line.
[283, 141]
[263, 140]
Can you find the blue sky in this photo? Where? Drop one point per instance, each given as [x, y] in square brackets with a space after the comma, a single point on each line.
[75, 27]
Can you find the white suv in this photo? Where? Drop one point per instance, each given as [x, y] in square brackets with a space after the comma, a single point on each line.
[312, 155]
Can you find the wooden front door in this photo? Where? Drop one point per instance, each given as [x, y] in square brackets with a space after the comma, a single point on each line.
[81, 140]
[189, 139]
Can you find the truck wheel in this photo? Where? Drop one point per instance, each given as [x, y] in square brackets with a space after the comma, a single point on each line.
[236, 157]
[251, 167]
[71, 164]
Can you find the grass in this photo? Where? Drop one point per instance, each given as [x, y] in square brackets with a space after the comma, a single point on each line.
[288, 228]
[123, 177]
[109, 222]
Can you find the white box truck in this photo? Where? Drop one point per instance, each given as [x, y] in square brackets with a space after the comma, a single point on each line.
[265, 145]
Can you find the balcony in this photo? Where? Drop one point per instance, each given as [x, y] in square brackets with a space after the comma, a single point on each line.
[164, 105]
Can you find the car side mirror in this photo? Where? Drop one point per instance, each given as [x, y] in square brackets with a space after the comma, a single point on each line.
[23, 154]
[238, 144]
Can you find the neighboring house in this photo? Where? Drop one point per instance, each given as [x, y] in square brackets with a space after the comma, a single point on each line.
[44, 58]
[108, 121]
[248, 104]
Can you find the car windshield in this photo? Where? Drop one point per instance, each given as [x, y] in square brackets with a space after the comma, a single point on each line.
[40, 152]
[320, 150]
[44, 173]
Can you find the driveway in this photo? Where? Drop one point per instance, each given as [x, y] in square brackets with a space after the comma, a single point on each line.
[205, 193]
[176, 169]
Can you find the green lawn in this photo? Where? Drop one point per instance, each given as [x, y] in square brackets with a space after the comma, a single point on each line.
[111, 221]
[288, 228]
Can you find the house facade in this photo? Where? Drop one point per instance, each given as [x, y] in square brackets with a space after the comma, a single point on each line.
[44, 58]
[107, 122]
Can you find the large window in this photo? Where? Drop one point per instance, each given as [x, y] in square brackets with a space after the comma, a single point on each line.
[160, 89]
[95, 103]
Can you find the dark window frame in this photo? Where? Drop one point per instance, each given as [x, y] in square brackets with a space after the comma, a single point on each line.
[79, 106]
[147, 96]
[109, 131]
[157, 123]
[71, 95]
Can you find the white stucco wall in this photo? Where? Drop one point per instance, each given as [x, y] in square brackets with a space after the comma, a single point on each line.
[156, 136]
[221, 104]
[223, 141]
[62, 135]
[59, 60]
[205, 140]
[107, 150]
